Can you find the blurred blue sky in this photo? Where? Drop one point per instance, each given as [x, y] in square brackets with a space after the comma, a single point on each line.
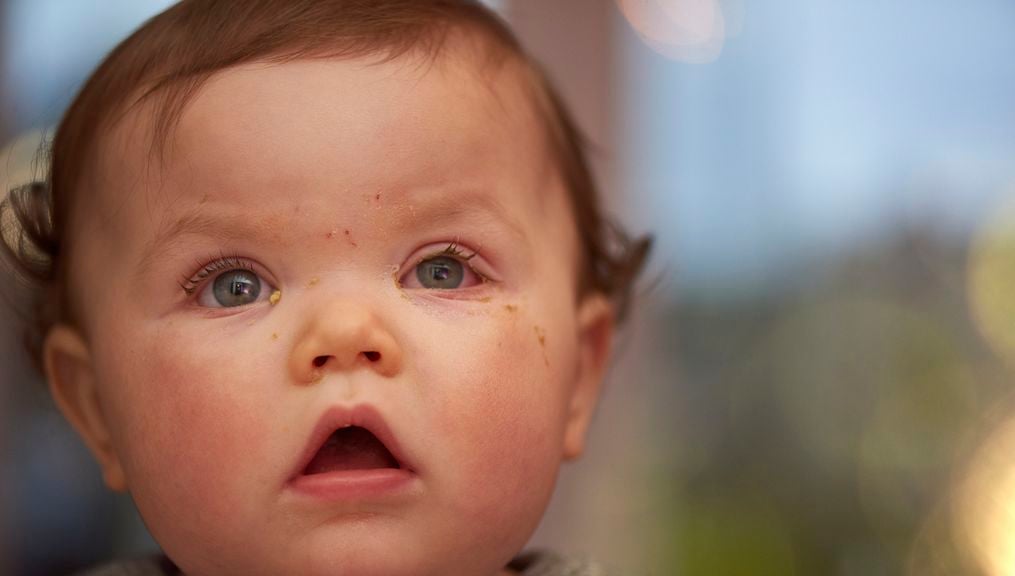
[822, 125]
[50, 47]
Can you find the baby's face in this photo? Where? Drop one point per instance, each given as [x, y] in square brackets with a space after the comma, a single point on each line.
[386, 246]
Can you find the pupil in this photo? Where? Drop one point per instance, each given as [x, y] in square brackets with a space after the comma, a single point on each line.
[441, 273]
[236, 288]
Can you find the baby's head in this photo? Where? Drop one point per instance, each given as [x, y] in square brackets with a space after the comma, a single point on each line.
[325, 285]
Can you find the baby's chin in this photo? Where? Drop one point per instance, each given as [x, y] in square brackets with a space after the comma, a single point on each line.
[366, 545]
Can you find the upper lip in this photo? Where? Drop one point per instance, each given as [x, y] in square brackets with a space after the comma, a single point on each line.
[338, 417]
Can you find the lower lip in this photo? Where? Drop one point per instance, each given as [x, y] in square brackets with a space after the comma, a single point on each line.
[354, 484]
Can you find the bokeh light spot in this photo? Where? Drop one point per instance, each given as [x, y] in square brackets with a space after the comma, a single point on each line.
[686, 30]
[986, 504]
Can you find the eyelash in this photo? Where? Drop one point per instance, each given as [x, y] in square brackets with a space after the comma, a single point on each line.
[453, 249]
[222, 263]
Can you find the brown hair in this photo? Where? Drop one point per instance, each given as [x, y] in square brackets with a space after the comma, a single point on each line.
[171, 55]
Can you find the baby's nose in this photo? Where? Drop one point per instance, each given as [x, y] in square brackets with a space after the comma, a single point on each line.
[344, 336]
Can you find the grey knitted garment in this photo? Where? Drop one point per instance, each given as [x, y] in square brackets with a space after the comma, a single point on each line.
[539, 563]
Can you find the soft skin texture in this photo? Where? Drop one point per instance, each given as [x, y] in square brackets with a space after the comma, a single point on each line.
[332, 179]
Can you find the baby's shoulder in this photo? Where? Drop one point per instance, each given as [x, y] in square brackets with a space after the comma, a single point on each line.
[547, 563]
[535, 563]
[155, 565]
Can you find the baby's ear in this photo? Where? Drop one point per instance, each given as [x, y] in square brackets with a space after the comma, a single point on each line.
[595, 343]
[72, 382]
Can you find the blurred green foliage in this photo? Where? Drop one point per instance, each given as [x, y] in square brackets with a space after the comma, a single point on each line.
[822, 426]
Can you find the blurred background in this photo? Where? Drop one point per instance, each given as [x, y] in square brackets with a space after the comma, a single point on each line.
[816, 379]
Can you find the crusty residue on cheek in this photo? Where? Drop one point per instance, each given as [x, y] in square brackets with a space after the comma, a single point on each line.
[331, 233]
[541, 336]
[511, 308]
[275, 297]
[313, 282]
[274, 335]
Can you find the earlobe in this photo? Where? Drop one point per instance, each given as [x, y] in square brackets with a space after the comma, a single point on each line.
[72, 383]
[595, 344]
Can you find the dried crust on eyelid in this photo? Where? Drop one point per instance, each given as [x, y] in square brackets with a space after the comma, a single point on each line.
[275, 297]
[393, 270]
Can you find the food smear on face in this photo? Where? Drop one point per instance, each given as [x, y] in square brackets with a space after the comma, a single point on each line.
[541, 336]
[275, 297]
[397, 282]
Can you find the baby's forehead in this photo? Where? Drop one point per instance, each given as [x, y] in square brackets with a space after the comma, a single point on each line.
[264, 118]
[257, 139]
[467, 64]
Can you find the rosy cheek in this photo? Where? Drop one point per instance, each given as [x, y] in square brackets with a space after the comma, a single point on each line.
[190, 407]
[501, 411]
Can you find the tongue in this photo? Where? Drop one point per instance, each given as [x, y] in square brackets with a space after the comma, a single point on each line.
[351, 448]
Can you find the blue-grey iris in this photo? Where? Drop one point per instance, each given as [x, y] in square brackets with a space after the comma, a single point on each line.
[236, 288]
[440, 273]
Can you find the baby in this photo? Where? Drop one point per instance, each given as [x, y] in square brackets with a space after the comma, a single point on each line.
[325, 286]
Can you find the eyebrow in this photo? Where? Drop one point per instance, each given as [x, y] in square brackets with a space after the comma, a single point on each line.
[203, 223]
[432, 207]
[456, 204]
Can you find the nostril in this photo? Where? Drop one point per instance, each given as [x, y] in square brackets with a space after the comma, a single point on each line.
[372, 355]
[320, 361]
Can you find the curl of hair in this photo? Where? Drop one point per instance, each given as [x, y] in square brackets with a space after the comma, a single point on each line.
[29, 248]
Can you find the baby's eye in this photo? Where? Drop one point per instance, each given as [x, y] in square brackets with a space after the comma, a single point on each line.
[447, 270]
[230, 289]
[228, 282]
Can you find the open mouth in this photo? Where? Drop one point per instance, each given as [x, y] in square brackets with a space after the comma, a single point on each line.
[351, 448]
[352, 455]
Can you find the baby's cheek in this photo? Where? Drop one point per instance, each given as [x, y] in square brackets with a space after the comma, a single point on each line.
[500, 421]
[191, 408]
